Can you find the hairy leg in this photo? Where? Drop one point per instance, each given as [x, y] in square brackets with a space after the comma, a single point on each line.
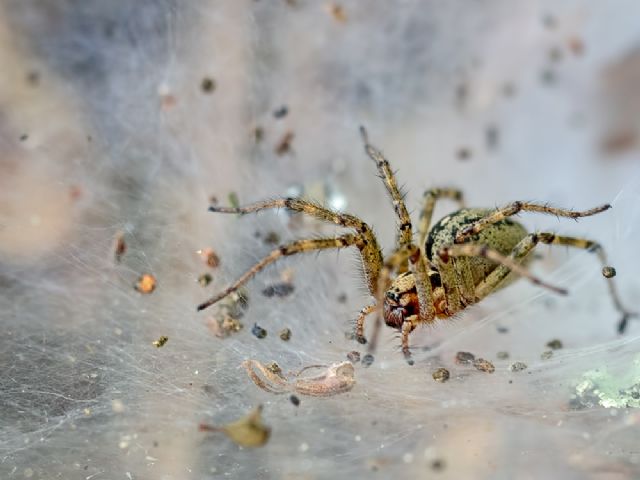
[293, 248]
[527, 244]
[368, 245]
[517, 207]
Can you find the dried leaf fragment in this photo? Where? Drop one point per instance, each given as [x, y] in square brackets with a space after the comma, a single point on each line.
[248, 431]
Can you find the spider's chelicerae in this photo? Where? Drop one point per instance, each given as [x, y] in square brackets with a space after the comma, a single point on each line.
[457, 262]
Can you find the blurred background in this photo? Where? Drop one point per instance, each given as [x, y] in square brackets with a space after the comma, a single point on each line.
[121, 122]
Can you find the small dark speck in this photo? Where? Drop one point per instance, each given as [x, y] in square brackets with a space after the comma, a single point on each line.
[24, 137]
[463, 153]
[502, 329]
[295, 400]
[281, 112]
[438, 465]
[33, 78]
[208, 85]
[342, 298]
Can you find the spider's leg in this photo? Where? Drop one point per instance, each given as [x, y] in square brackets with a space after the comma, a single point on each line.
[527, 244]
[429, 200]
[473, 250]
[405, 234]
[517, 207]
[407, 327]
[285, 250]
[360, 322]
[368, 245]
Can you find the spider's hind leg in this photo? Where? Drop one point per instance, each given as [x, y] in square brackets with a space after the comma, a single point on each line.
[528, 243]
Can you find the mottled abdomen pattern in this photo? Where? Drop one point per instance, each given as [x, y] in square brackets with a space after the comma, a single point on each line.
[502, 236]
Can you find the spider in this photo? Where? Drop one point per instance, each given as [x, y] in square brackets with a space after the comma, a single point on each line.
[457, 262]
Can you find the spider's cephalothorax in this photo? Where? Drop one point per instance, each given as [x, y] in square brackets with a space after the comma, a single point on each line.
[457, 262]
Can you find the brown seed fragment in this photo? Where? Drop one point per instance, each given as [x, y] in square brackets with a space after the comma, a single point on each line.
[120, 247]
[210, 257]
[608, 272]
[441, 375]
[554, 344]
[284, 145]
[285, 334]
[465, 358]
[248, 431]
[484, 365]
[146, 283]
[160, 341]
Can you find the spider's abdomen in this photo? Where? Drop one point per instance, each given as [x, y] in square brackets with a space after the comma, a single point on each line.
[502, 236]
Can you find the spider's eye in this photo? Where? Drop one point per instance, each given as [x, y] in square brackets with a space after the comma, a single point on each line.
[393, 296]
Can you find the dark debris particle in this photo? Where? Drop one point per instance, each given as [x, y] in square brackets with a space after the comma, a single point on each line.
[502, 355]
[501, 329]
[441, 375]
[465, 358]
[278, 289]
[295, 400]
[33, 78]
[285, 334]
[258, 331]
[342, 298]
[353, 356]
[546, 355]
[463, 153]
[367, 360]
[608, 272]
[518, 366]
[281, 112]
[438, 465]
[160, 341]
[204, 279]
[492, 137]
[24, 137]
[208, 85]
[273, 367]
[258, 134]
[554, 344]
[272, 238]
[484, 365]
